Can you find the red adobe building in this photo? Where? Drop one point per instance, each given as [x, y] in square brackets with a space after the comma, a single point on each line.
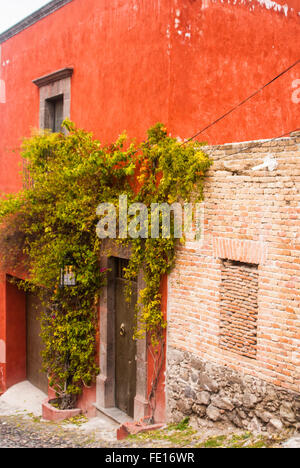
[114, 65]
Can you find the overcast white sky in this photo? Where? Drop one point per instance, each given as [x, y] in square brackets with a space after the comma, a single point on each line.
[13, 11]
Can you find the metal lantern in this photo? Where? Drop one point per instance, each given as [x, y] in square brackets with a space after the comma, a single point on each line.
[68, 273]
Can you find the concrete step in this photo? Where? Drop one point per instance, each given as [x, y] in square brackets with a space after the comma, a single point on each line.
[115, 414]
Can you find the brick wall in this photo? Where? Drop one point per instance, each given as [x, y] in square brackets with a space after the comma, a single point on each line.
[250, 217]
[238, 308]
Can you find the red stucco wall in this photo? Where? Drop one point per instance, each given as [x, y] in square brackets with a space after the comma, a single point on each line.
[15, 335]
[2, 334]
[183, 62]
[159, 401]
[136, 62]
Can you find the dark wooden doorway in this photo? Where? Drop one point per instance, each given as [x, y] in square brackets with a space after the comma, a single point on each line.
[125, 345]
[34, 344]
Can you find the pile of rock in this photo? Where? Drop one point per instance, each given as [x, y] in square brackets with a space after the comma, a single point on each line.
[221, 394]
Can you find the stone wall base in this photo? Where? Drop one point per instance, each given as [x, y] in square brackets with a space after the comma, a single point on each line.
[216, 393]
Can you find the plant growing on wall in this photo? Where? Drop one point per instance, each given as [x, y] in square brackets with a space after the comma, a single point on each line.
[55, 218]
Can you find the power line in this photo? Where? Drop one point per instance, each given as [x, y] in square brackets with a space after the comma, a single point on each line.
[242, 102]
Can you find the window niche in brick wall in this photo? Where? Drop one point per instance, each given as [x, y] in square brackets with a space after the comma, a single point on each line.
[239, 308]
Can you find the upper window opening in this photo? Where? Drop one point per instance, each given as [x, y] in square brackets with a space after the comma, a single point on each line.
[54, 113]
[55, 98]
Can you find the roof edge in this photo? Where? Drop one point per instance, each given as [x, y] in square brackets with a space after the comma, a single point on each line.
[33, 18]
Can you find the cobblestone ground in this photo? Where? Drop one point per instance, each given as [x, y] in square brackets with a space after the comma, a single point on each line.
[20, 432]
[30, 432]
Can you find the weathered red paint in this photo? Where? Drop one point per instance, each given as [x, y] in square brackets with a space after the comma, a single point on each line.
[132, 68]
[15, 335]
[133, 428]
[87, 400]
[2, 333]
[136, 62]
[159, 400]
[50, 413]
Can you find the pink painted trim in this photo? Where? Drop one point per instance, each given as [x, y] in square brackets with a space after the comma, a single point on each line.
[135, 428]
[2, 352]
[53, 414]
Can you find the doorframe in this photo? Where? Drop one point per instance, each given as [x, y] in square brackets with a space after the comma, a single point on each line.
[33, 301]
[105, 384]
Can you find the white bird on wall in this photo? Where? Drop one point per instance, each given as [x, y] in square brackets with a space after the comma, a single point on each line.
[269, 163]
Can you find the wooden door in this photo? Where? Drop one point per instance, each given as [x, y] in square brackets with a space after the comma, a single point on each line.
[125, 366]
[34, 344]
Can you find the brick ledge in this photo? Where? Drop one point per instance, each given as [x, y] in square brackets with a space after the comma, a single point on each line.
[246, 251]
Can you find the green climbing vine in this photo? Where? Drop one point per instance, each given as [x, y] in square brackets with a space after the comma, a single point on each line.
[55, 218]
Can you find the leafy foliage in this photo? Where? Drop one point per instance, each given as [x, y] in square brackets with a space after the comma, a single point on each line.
[55, 218]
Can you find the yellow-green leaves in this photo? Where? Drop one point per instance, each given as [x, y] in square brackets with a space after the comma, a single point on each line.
[71, 174]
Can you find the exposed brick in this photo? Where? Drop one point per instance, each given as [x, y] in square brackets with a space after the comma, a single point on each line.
[252, 217]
